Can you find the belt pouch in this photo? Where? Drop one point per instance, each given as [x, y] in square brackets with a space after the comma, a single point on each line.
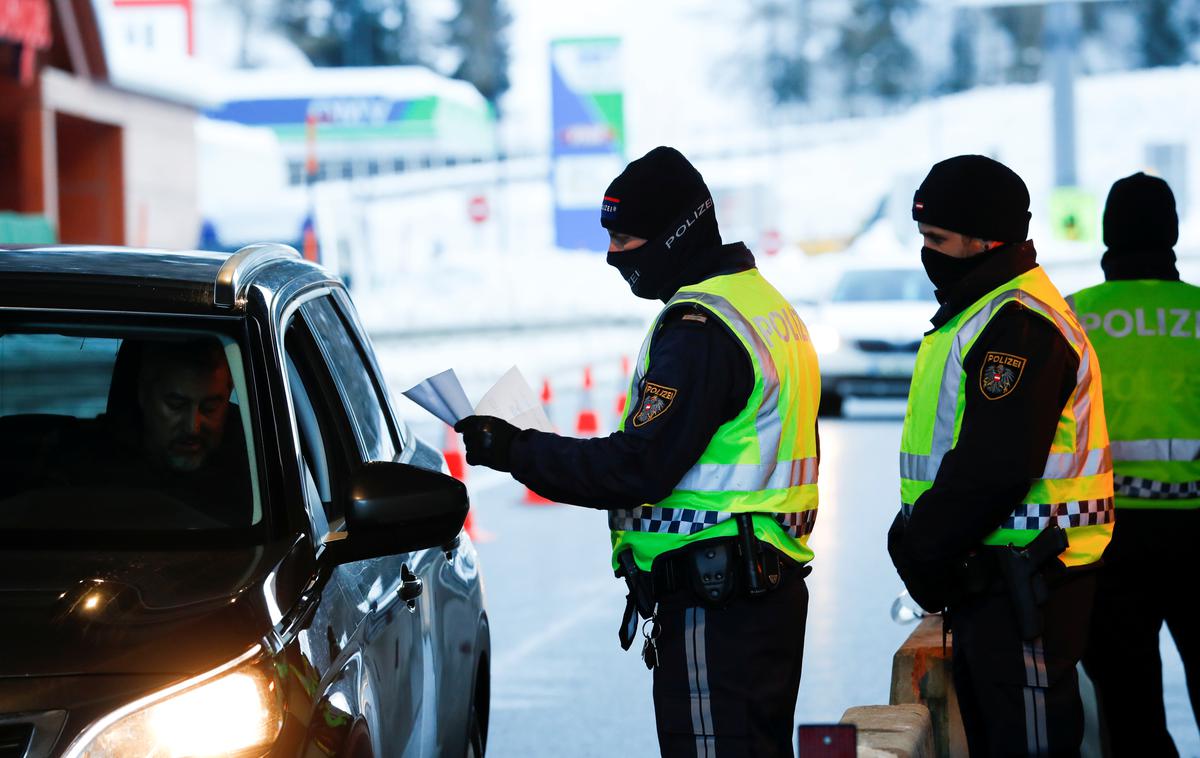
[711, 567]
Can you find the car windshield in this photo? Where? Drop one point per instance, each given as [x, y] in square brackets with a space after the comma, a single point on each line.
[108, 430]
[883, 285]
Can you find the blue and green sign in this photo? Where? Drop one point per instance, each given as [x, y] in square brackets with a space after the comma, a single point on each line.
[588, 146]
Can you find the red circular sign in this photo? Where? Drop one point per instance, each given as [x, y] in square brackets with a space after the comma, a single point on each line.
[772, 242]
[477, 209]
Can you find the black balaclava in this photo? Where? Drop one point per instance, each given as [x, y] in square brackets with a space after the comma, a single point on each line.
[661, 198]
[1141, 228]
[974, 196]
[945, 270]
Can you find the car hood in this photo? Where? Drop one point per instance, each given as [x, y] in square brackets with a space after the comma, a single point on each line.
[130, 612]
[901, 321]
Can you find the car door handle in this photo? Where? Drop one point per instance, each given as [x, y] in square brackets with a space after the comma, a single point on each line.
[411, 587]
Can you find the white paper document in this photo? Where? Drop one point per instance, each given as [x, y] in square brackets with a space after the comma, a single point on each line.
[511, 398]
[443, 396]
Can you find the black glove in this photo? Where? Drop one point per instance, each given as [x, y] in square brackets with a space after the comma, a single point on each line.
[488, 441]
[930, 587]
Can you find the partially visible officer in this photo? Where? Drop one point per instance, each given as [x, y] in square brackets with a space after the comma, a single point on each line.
[1004, 453]
[710, 482]
[1144, 324]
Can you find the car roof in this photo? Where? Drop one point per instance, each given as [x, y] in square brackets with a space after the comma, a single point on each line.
[82, 276]
[881, 264]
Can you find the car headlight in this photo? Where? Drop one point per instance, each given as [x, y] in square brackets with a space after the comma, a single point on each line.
[233, 710]
[825, 339]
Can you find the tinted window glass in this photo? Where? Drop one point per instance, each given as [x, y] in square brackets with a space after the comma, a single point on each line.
[314, 449]
[883, 285]
[115, 429]
[353, 380]
[55, 373]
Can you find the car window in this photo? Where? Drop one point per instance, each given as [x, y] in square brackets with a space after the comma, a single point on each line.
[883, 285]
[314, 454]
[115, 429]
[357, 389]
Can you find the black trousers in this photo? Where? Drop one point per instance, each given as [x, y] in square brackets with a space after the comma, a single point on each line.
[727, 678]
[1143, 583]
[1021, 697]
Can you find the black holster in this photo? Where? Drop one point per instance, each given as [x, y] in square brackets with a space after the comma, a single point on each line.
[1023, 571]
[639, 601]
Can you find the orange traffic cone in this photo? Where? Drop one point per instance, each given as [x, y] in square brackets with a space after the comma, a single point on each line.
[621, 394]
[456, 462]
[533, 498]
[587, 424]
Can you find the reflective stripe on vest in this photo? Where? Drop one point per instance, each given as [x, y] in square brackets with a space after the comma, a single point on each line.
[1166, 451]
[946, 427]
[749, 477]
[751, 464]
[1075, 488]
[1058, 465]
[1146, 334]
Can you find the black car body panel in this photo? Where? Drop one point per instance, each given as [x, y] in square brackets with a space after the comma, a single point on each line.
[386, 656]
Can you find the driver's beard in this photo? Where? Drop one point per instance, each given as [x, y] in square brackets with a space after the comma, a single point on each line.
[185, 464]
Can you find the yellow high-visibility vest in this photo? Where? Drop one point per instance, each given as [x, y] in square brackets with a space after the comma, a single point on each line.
[1075, 489]
[1147, 337]
[764, 460]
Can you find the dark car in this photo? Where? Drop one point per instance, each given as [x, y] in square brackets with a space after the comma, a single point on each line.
[216, 539]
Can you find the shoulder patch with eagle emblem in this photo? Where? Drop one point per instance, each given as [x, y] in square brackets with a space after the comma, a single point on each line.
[1000, 374]
[656, 399]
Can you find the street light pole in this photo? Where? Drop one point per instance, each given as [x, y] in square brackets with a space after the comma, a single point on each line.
[1061, 33]
[1061, 40]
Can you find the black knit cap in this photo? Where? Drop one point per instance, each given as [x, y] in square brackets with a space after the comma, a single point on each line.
[651, 193]
[1140, 214]
[975, 196]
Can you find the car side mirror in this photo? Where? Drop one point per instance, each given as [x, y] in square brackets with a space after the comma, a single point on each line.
[397, 508]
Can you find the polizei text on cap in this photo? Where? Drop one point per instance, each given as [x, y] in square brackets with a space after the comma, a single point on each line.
[703, 208]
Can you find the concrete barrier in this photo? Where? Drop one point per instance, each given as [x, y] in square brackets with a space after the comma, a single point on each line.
[922, 674]
[892, 731]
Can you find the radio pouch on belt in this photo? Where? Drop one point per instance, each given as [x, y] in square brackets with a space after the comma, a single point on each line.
[762, 571]
[1024, 577]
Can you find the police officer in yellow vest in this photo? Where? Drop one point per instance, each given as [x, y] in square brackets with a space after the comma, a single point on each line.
[1145, 325]
[710, 483]
[1004, 453]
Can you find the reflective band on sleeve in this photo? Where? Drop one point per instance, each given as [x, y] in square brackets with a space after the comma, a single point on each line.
[655, 520]
[1058, 465]
[1156, 450]
[749, 477]
[1037, 517]
[1148, 489]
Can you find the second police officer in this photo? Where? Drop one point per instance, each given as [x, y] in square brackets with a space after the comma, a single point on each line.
[711, 481]
[1145, 324]
[1006, 483]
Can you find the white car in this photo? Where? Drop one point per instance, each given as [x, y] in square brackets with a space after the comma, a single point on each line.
[867, 332]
